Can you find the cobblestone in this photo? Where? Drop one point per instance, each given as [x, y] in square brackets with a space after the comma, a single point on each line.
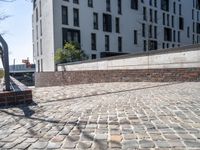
[106, 116]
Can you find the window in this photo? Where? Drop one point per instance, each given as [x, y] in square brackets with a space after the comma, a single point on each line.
[107, 23]
[143, 30]
[153, 45]
[174, 36]
[40, 46]
[155, 17]
[76, 17]
[151, 15]
[93, 41]
[108, 5]
[38, 65]
[119, 44]
[135, 37]
[95, 21]
[70, 35]
[145, 45]
[107, 43]
[144, 13]
[198, 28]
[76, 1]
[163, 18]
[181, 23]
[150, 2]
[180, 9]
[167, 19]
[40, 27]
[150, 31]
[40, 6]
[179, 36]
[172, 21]
[90, 3]
[119, 4]
[155, 3]
[36, 14]
[64, 15]
[167, 34]
[188, 32]
[174, 7]
[117, 25]
[134, 4]
[155, 32]
[198, 4]
[165, 5]
[93, 56]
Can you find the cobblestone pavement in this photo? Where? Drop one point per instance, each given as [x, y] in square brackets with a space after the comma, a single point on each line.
[106, 116]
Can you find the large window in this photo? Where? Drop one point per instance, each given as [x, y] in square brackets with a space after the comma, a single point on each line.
[134, 4]
[107, 23]
[108, 5]
[70, 35]
[90, 3]
[165, 5]
[64, 15]
[167, 34]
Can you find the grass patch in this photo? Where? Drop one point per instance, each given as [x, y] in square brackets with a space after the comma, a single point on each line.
[1, 74]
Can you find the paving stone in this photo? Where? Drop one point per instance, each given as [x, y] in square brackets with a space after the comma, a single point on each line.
[162, 144]
[116, 138]
[23, 146]
[146, 144]
[54, 145]
[130, 144]
[154, 116]
[101, 137]
[9, 145]
[84, 145]
[69, 145]
[39, 145]
[175, 144]
[194, 144]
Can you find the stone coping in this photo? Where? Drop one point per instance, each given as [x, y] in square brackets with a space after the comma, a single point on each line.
[195, 47]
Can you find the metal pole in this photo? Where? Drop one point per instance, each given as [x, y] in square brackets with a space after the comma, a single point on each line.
[5, 62]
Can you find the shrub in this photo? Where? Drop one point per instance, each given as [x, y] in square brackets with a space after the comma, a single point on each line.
[1, 73]
[70, 53]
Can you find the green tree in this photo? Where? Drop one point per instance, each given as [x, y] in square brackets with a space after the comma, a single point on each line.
[70, 53]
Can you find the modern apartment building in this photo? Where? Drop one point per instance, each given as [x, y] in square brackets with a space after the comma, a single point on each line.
[112, 27]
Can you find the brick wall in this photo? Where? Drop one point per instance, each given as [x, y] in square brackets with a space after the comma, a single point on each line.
[98, 76]
[15, 98]
[20, 95]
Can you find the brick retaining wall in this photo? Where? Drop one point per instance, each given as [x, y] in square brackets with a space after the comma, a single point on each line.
[21, 95]
[44, 79]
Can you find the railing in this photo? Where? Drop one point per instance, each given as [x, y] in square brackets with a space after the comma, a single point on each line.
[5, 61]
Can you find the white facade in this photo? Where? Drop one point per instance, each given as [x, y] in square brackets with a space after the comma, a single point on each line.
[175, 27]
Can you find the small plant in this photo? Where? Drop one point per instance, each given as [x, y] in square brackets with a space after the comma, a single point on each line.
[70, 53]
[1, 73]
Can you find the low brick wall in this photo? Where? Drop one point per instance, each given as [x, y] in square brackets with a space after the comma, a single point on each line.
[22, 95]
[98, 76]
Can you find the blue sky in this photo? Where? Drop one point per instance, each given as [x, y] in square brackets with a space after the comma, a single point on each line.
[18, 29]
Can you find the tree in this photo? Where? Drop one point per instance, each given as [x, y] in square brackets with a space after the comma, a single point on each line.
[70, 53]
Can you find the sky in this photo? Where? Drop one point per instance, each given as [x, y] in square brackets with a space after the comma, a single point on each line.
[18, 30]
